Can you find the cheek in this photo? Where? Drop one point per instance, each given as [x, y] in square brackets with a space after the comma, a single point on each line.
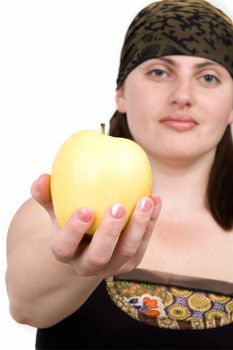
[136, 119]
[216, 110]
[142, 103]
[136, 106]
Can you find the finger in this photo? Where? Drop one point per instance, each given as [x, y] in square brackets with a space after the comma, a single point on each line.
[155, 214]
[135, 230]
[104, 241]
[150, 228]
[40, 191]
[64, 242]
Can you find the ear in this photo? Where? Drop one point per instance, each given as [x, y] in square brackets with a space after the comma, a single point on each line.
[120, 100]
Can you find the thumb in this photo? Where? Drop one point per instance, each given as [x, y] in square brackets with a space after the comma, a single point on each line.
[40, 191]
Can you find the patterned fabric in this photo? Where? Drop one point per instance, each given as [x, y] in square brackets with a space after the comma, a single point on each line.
[170, 27]
[169, 306]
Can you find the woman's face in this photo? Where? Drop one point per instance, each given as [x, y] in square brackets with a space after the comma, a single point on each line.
[177, 107]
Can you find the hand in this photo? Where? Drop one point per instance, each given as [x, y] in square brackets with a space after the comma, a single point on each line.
[112, 250]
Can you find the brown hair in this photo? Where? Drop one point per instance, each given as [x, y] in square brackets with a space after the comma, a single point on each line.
[219, 193]
[220, 185]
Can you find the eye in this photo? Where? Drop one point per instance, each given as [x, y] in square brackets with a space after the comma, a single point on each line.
[210, 79]
[158, 73]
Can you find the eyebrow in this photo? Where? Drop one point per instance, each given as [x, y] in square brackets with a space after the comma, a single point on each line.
[199, 65]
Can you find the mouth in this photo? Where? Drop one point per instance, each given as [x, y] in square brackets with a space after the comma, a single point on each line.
[179, 123]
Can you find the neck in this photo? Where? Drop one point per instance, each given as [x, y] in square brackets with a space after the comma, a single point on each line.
[182, 185]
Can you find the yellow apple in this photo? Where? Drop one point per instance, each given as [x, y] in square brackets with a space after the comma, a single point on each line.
[95, 170]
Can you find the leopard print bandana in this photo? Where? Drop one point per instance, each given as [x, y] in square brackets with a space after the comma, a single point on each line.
[170, 27]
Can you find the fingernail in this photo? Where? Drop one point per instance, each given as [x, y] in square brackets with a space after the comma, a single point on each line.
[117, 211]
[145, 204]
[85, 215]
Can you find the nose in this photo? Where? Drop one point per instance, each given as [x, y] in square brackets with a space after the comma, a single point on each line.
[182, 94]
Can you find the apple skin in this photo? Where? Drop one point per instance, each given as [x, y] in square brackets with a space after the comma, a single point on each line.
[95, 170]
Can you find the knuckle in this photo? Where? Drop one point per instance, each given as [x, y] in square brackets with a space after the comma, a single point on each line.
[140, 221]
[79, 268]
[129, 249]
[61, 253]
[109, 230]
[97, 261]
[83, 273]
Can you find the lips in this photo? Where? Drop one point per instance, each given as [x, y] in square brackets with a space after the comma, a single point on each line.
[179, 123]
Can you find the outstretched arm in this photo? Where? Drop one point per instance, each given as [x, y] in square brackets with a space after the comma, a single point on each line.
[52, 271]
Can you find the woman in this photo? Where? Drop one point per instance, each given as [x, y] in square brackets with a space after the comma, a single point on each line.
[160, 285]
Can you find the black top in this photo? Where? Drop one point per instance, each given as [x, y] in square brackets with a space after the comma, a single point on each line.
[100, 324]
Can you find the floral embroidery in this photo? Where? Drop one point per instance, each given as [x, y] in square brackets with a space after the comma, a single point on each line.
[148, 305]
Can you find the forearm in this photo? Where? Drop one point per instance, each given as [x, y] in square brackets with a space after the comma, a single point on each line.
[43, 291]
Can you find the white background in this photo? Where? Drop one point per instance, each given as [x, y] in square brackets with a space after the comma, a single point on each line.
[58, 66]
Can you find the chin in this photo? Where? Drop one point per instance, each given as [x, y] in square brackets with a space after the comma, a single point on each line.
[177, 158]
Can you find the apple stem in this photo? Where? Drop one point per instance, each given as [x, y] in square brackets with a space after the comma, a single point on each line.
[102, 128]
